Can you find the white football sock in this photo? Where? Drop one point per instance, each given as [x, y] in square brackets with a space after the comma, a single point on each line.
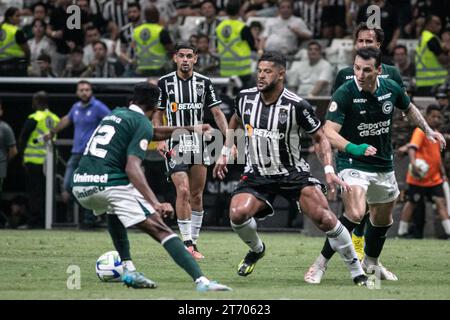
[403, 228]
[196, 218]
[446, 225]
[321, 261]
[247, 233]
[185, 229]
[341, 242]
[128, 264]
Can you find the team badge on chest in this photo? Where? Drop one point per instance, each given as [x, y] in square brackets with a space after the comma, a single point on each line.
[199, 88]
[283, 116]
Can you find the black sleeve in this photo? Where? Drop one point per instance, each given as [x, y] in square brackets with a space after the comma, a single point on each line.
[162, 96]
[28, 128]
[434, 46]
[246, 35]
[306, 117]
[165, 38]
[20, 37]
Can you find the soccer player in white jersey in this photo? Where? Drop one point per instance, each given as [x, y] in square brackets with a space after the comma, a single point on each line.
[272, 116]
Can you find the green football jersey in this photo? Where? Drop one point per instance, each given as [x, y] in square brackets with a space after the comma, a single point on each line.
[387, 72]
[367, 118]
[125, 132]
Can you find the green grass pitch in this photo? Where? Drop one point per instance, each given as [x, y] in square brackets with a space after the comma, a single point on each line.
[34, 265]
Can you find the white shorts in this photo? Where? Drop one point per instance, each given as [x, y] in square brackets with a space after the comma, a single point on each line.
[380, 187]
[124, 201]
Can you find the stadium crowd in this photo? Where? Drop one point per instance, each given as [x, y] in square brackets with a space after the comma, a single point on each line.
[127, 38]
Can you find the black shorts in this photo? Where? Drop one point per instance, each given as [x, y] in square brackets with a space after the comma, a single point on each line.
[184, 164]
[416, 194]
[267, 188]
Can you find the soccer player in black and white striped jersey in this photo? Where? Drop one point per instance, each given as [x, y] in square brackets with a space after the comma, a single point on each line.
[271, 117]
[184, 96]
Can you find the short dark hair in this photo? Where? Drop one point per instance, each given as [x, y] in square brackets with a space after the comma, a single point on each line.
[185, 45]
[84, 82]
[78, 49]
[209, 1]
[401, 46]
[232, 8]
[369, 53]
[9, 13]
[44, 57]
[44, 24]
[40, 99]
[147, 95]
[101, 43]
[134, 4]
[433, 107]
[275, 57]
[314, 42]
[379, 33]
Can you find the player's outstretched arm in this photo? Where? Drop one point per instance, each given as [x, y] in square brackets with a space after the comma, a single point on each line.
[323, 151]
[415, 116]
[332, 130]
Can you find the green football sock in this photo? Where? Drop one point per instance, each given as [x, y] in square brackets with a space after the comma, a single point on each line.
[182, 257]
[375, 238]
[119, 236]
[360, 228]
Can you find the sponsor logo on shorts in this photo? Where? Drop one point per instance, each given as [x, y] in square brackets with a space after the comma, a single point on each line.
[87, 192]
[354, 174]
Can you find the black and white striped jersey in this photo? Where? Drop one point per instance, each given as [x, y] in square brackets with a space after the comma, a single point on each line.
[272, 132]
[184, 101]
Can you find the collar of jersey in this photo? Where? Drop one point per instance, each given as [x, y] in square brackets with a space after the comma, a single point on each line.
[360, 88]
[136, 108]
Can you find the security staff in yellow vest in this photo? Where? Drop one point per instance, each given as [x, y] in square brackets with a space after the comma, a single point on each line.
[32, 148]
[431, 58]
[14, 50]
[235, 43]
[153, 45]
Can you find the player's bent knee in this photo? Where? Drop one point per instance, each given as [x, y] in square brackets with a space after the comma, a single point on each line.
[156, 227]
[327, 220]
[238, 215]
[183, 192]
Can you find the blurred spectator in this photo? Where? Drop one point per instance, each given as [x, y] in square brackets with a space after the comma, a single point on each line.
[389, 23]
[428, 186]
[75, 66]
[207, 62]
[259, 8]
[404, 65]
[39, 44]
[14, 50]
[166, 9]
[234, 45]
[333, 19]
[85, 115]
[64, 38]
[208, 26]
[8, 148]
[311, 77]
[153, 45]
[39, 13]
[102, 66]
[193, 40]
[352, 8]
[283, 33]
[18, 215]
[403, 8]
[44, 70]
[431, 58]
[115, 13]
[93, 36]
[91, 19]
[126, 51]
[32, 148]
[311, 12]
[256, 28]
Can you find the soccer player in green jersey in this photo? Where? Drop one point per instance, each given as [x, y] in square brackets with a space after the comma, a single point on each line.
[373, 37]
[359, 124]
[110, 179]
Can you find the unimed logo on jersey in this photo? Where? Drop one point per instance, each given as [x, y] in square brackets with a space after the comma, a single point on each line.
[185, 106]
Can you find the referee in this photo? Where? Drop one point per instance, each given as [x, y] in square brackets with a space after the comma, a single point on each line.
[184, 96]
